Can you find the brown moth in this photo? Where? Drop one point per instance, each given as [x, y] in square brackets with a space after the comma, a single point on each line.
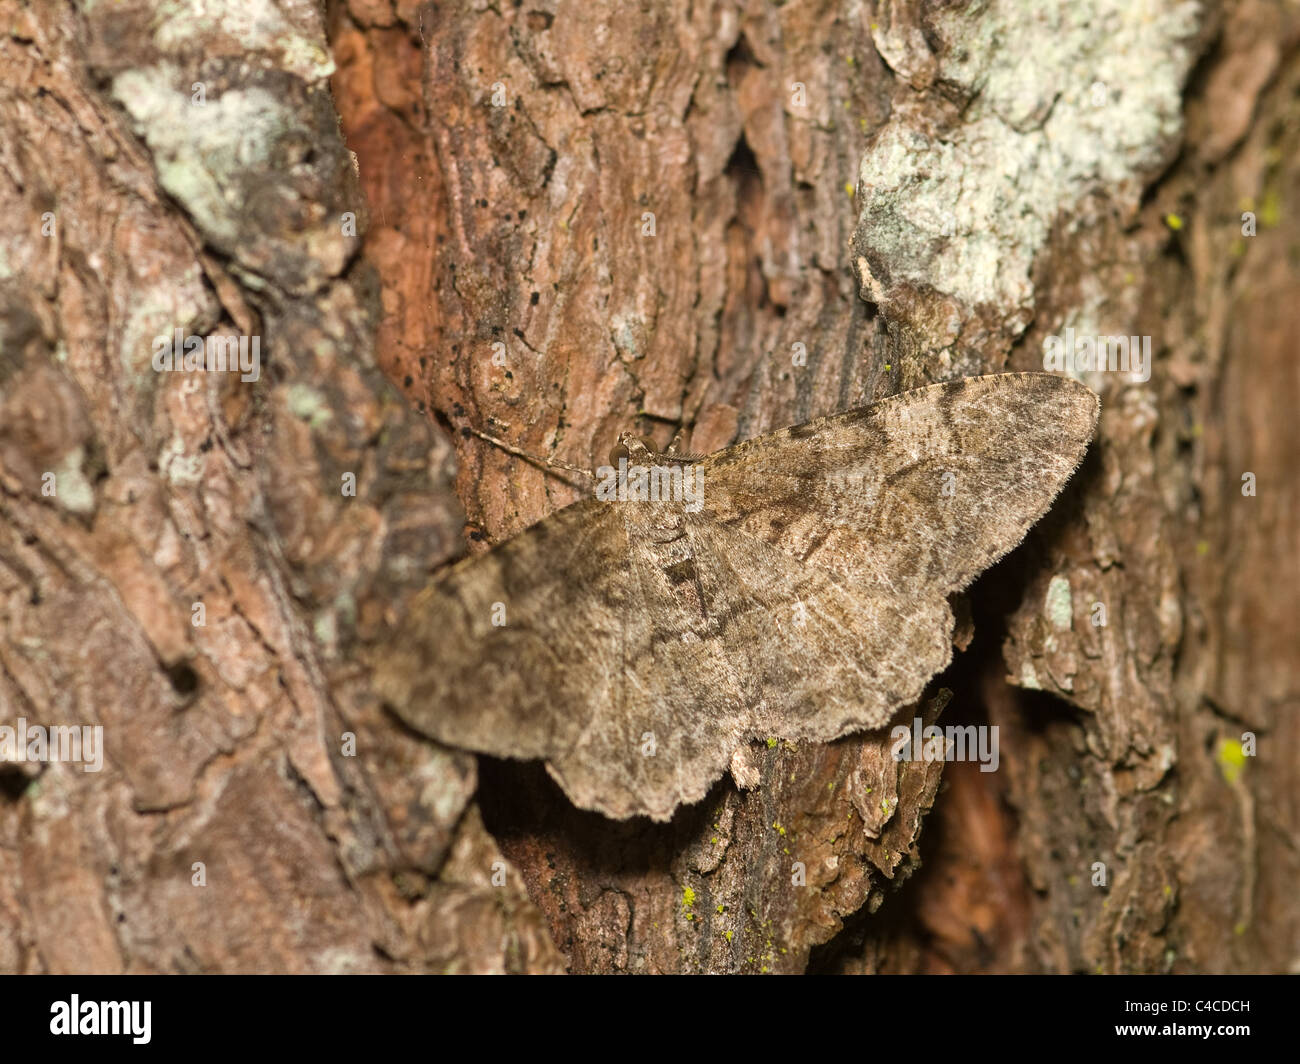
[635, 646]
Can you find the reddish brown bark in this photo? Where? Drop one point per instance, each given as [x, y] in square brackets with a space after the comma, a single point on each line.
[525, 224]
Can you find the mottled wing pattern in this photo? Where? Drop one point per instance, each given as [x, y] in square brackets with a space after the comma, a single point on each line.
[512, 652]
[641, 645]
[678, 713]
[816, 656]
[918, 492]
[836, 544]
[576, 645]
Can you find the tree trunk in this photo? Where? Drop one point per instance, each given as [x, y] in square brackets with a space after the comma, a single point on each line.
[559, 221]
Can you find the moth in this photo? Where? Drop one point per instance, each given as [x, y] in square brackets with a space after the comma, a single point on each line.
[636, 640]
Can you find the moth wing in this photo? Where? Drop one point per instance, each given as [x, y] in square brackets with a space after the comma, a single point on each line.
[807, 599]
[729, 640]
[510, 652]
[674, 712]
[816, 657]
[833, 546]
[916, 494]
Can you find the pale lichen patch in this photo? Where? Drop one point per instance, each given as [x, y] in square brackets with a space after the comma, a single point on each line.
[1059, 604]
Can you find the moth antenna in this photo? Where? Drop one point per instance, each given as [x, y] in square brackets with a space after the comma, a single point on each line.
[551, 464]
[685, 457]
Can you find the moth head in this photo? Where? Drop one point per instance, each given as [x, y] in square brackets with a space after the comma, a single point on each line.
[632, 449]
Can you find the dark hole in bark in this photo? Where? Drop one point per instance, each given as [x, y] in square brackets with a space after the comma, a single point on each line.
[184, 680]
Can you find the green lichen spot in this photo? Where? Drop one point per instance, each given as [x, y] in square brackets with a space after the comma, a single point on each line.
[1173, 221]
[727, 935]
[1270, 209]
[688, 898]
[1231, 759]
[771, 743]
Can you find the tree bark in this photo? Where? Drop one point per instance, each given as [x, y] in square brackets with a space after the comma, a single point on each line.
[575, 219]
